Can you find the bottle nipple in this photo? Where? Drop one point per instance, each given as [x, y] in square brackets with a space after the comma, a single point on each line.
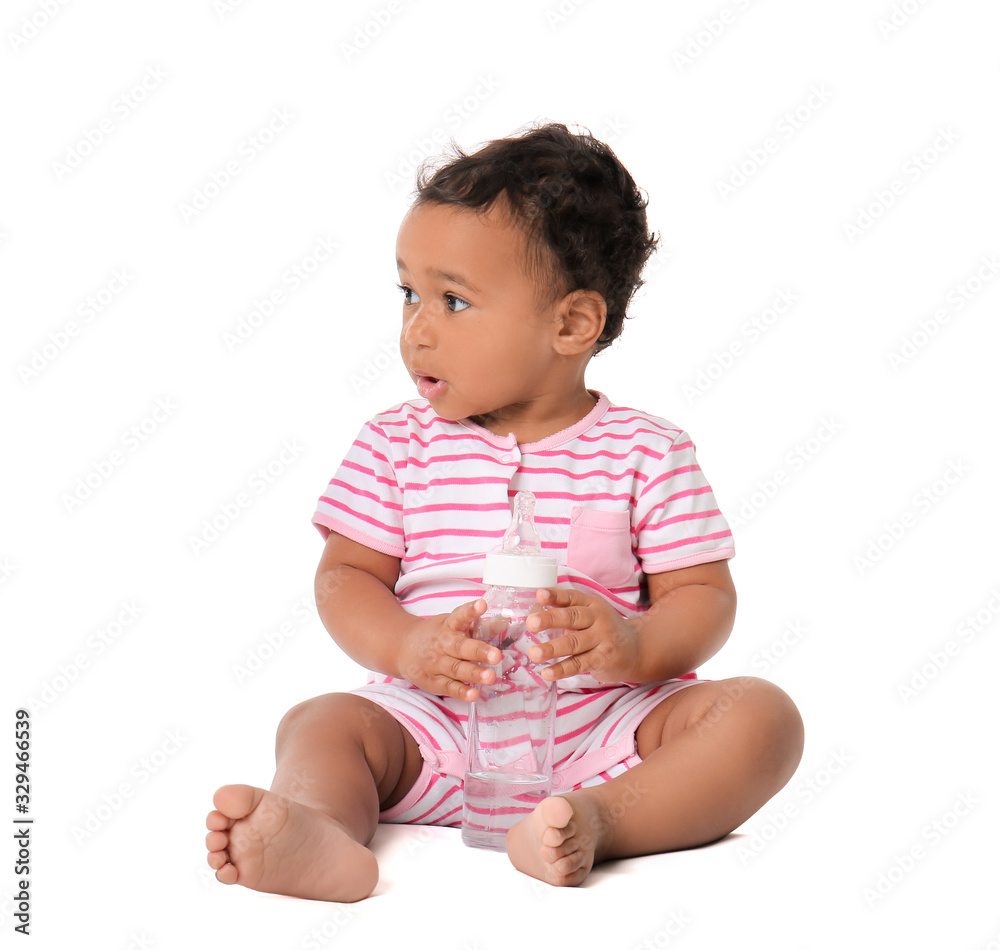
[519, 562]
[521, 536]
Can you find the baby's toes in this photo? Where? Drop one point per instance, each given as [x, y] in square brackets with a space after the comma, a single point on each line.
[569, 870]
[562, 851]
[217, 859]
[554, 837]
[216, 841]
[216, 821]
[227, 874]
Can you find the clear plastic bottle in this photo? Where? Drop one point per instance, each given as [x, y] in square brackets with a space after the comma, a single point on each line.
[509, 761]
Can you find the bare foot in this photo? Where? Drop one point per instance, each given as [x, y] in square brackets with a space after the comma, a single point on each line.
[557, 842]
[270, 843]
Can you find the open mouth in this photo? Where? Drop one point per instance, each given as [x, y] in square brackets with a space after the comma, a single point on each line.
[430, 386]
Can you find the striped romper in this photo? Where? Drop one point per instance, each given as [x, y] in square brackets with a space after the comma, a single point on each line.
[619, 494]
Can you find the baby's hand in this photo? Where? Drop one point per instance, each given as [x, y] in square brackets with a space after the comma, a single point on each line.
[441, 656]
[596, 638]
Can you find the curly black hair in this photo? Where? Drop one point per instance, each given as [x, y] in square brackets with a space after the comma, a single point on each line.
[582, 214]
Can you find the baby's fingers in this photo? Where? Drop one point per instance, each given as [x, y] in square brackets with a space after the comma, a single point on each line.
[568, 667]
[462, 617]
[460, 647]
[566, 645]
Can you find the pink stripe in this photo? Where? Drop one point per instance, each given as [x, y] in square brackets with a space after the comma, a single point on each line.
[687, 493]
[432, 559]
[431, 741]
[370, 448]
[586, 701]
[438, 482]
[627, 474]
[367, 473]
[621, 436]
[452, 507]
[576, 732]
[645, 552]
[687, 516]
[628, 712]
[611, 419]
[450, 824]
[673, 473]
[601, 453]
[454, 532]
[451, 791]
[506, 810]
[361, 493]
[336, 505]
[610, 595]
[463, 457]
[473, 594]
[580, 497]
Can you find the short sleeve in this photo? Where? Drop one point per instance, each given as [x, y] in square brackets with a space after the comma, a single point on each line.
[678, 520]
[363, 500]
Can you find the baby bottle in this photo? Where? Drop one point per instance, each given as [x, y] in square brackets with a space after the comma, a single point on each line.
[508, 767]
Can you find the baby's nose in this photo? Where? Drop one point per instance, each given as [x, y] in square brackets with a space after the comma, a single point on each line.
[416, 329]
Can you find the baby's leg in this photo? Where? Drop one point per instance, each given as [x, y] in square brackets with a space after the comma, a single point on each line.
[340, 760]
[712, 755]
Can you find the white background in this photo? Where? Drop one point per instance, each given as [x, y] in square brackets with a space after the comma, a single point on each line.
[133, 733]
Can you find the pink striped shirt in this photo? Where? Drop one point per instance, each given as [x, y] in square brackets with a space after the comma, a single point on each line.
[618, 494]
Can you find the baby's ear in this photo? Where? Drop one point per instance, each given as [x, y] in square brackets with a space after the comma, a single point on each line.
[583, 314]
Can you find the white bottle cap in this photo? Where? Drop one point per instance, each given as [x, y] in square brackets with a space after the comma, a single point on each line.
[520, 570]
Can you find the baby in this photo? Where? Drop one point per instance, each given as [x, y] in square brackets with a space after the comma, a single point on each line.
[517, 264]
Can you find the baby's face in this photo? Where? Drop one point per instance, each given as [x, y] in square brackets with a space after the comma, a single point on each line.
[472, 319]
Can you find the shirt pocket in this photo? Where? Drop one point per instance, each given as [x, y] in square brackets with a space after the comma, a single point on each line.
[600, 545]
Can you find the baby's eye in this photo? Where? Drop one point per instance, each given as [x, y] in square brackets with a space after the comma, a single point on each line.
[408, 294]
[452, 297]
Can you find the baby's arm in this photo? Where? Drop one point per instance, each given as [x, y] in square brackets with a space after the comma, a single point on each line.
[356, 601]
[691, 614]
